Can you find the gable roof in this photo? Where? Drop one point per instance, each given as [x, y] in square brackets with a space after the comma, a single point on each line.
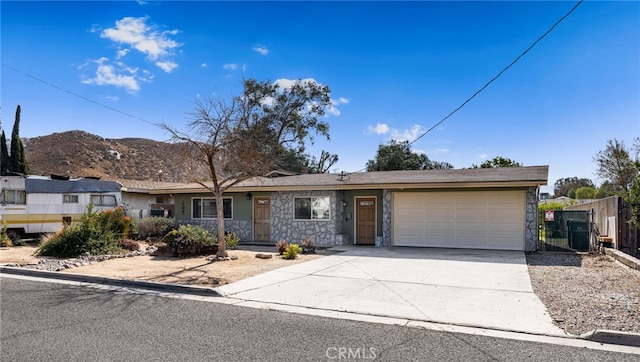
[462, 178]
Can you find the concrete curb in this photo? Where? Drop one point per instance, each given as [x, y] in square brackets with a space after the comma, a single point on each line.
[162, 287]
[613, 337]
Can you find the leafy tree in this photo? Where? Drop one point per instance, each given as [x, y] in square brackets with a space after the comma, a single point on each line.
[498, 162]
[563, 186]
[296, 160]
[615, 164]
[633, 199]
[399, 156]
[606, 189]
[248, 135]
[585, 192]
[18, 159]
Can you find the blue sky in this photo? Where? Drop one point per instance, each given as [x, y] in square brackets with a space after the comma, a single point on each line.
[395, 69]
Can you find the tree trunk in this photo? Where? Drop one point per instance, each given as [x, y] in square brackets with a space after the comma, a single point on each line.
[222, 246]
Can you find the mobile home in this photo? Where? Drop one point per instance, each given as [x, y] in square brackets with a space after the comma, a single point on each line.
[38, 204]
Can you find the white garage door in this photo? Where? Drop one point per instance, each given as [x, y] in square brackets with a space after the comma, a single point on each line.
[467, 219]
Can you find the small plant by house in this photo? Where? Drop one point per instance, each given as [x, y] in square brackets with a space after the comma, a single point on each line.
[308, 246]
[189, 240]
[281, 246]
[292, 251]
[154, 228]
[231, 239]
[97, 233]
[5, 241]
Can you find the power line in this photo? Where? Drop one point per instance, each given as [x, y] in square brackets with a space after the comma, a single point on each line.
[76, 94]
[500, 73]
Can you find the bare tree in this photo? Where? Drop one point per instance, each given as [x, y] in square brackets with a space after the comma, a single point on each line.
[248, 136]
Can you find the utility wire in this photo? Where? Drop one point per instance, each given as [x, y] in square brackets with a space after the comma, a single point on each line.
[501, 72]
[77, 95]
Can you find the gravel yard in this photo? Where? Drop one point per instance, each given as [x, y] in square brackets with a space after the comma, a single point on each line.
[583, 292]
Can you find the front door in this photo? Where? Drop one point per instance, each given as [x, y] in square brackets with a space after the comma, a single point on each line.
[261, 219]
[365, 220]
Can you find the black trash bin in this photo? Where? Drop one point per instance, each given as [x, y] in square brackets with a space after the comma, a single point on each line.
[578, 232]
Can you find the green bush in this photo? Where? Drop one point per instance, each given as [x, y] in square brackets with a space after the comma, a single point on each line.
[75, 240]
[189, 239]
[231, 240]
[5, 241]
[291, 252]
[97, 233]
[154, 227]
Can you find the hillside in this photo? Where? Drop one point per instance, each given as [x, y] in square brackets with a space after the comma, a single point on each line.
[80, 154]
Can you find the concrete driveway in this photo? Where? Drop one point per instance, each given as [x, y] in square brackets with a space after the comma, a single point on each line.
[479, 288]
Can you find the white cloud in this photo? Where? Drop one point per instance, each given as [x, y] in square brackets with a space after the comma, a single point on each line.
[483, 156]
[117, 74]
[379, 128]
[113, 99]
[204, 65]
[230, 66]
[288, 83]
[261, 49]
[408, 134]
[442, 150]
[244, 67]
[167, 66]
[136, 33]
[122, 53]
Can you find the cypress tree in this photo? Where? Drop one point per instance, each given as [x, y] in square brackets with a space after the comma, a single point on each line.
[18, 159]
[4, 154]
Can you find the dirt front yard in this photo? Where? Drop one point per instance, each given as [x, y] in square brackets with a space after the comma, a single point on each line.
[187, 271]
[583, 292]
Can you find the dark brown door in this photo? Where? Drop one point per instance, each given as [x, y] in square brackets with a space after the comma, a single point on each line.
[262, 219]
[366, 220]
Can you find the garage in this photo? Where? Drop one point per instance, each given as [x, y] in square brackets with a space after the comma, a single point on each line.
[460, 219]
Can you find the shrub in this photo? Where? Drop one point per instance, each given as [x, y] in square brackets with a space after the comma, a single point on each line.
[231, 240]
[308, 247]
[189, 239]
[281, 246]
[97, 234]
[291, 252]
[74, 240]
[154, 227]
[5, 241]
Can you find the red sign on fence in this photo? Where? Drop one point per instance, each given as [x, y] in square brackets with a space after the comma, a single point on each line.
[548, 215]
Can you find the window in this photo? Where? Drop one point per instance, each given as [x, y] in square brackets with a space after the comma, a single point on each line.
[159, 200]
[103, 200]
[311, 208]
[205, 208]
[69, 199]
[14, 197]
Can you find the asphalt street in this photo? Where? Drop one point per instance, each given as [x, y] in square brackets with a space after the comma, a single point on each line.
[46, 321]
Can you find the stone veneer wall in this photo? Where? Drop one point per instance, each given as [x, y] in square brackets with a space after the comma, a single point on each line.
[242, 228]
[531, 220]
[386, 217]
[321, 232]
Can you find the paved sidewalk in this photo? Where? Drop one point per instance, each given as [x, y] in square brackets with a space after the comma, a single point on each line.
[479, 288]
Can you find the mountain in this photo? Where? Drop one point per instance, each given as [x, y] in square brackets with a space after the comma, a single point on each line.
[81, 154]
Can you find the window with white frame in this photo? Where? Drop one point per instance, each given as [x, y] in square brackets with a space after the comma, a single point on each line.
[206, 208]
[13, 197]
[312, 208]
[103, 200]
[69, 199]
